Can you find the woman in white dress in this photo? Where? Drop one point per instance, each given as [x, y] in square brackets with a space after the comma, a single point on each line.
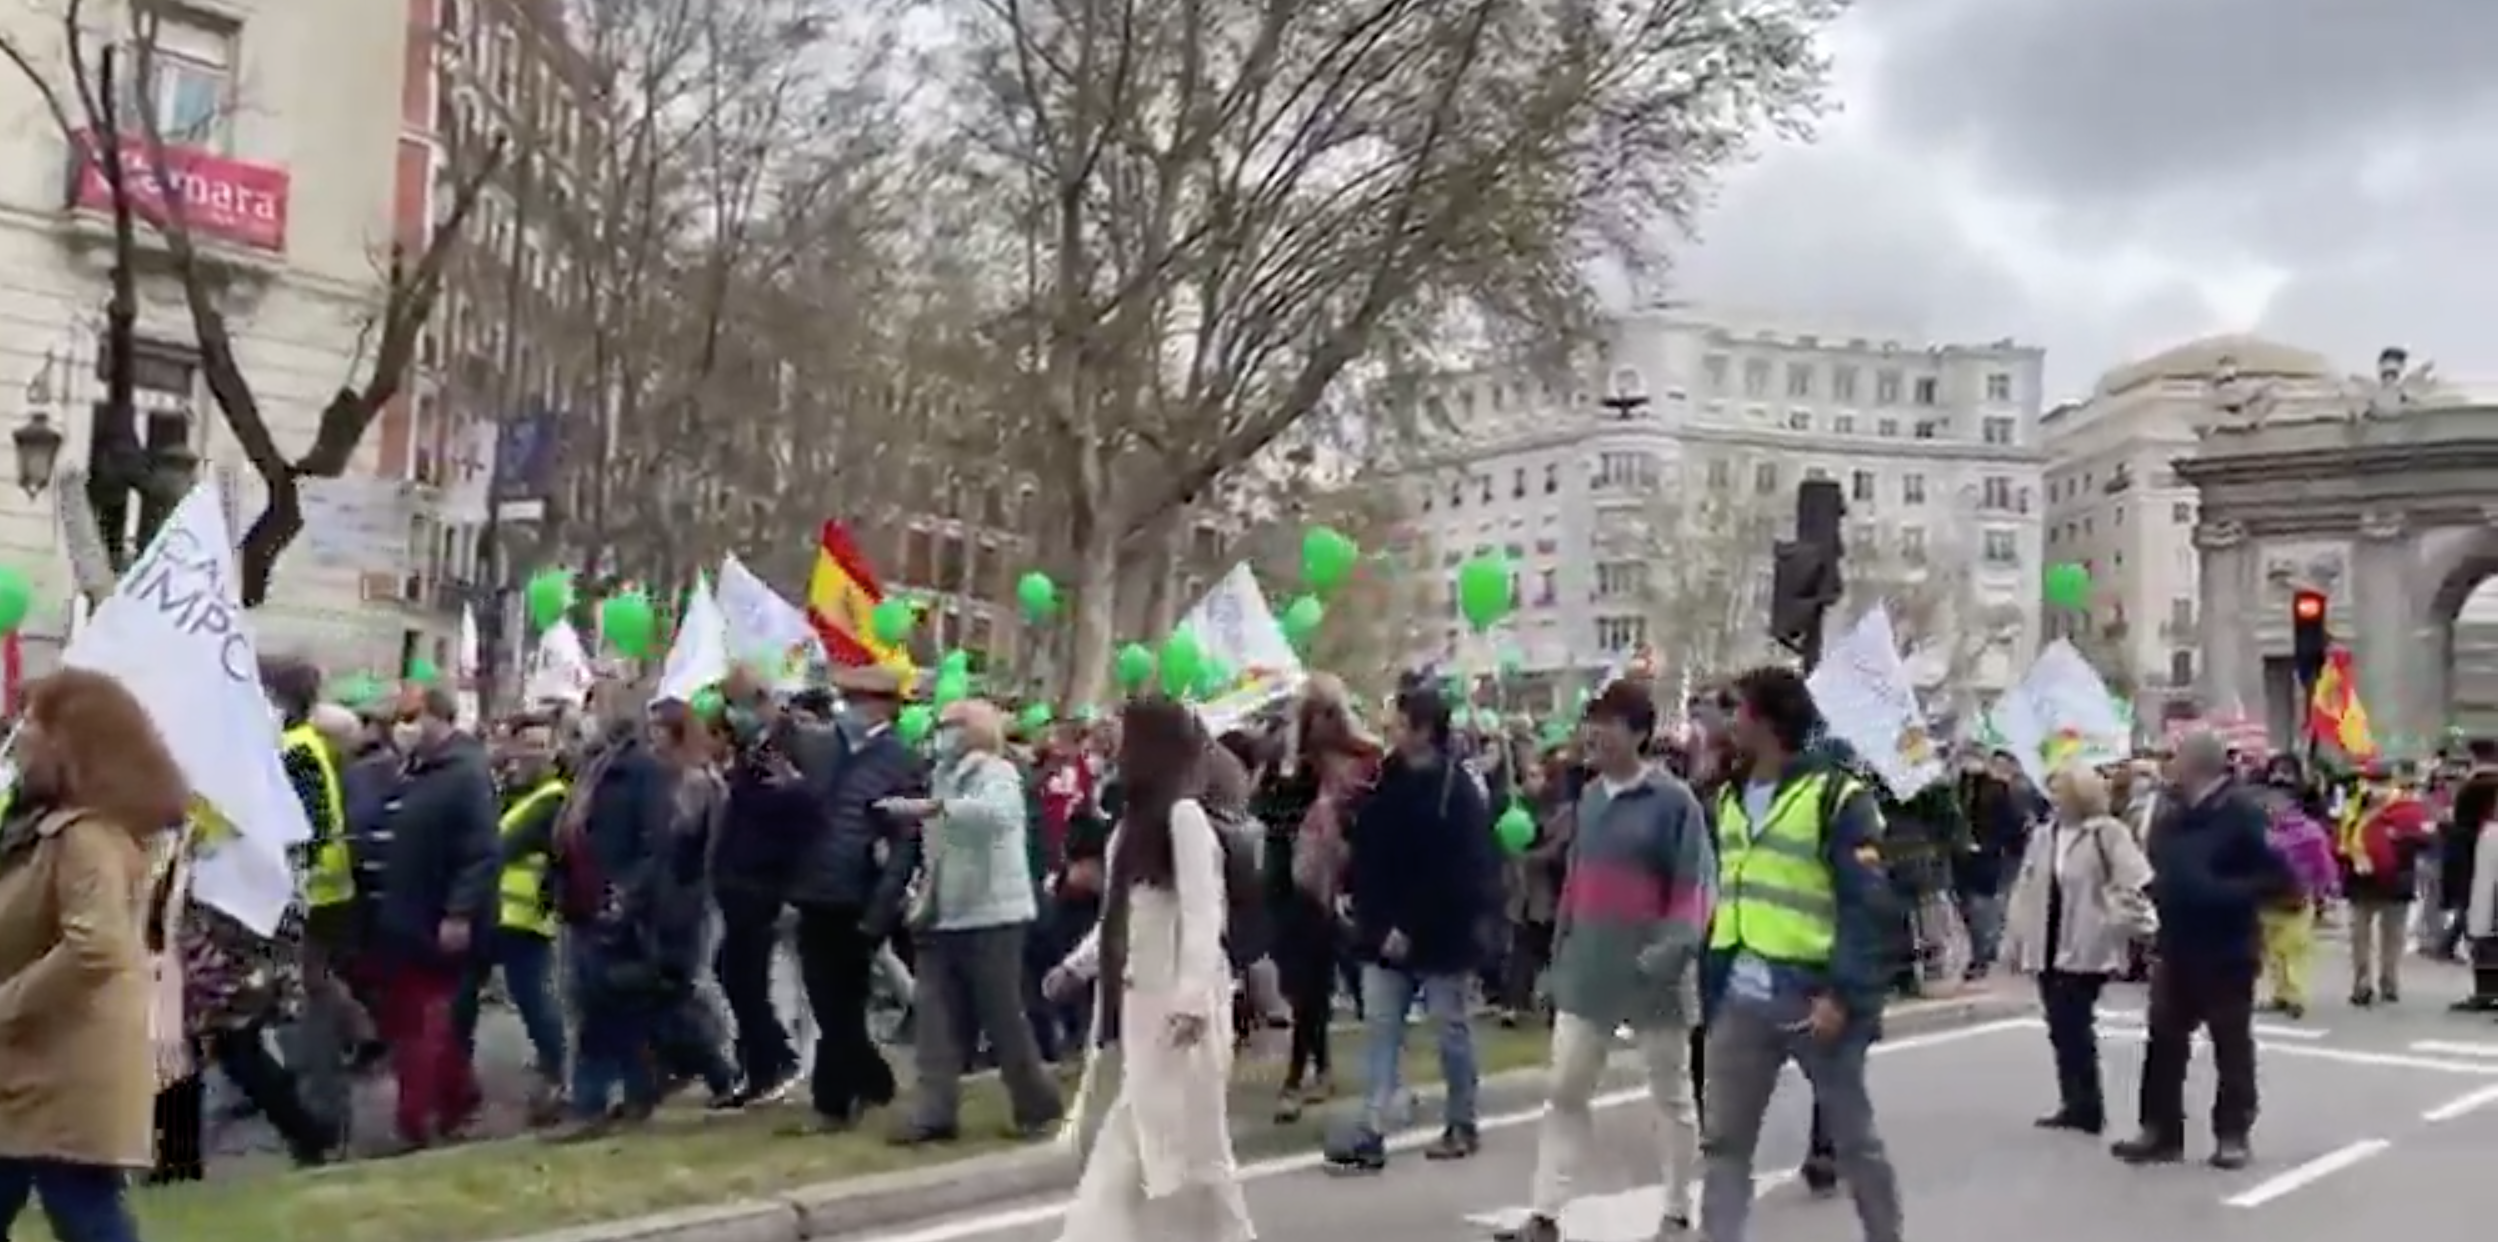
[1159, 1165]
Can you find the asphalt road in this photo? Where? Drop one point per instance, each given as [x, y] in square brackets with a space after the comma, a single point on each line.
[2377, 1120]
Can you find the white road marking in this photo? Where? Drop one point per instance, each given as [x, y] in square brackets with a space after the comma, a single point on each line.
[2343, 1056]
[1620, 1216]
[999, 1221]
[2469, 1101]
[2307, 1174]
[2455, 1048]
[2273, 1030]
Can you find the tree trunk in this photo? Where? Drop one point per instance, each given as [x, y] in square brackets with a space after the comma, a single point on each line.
[1095, 606]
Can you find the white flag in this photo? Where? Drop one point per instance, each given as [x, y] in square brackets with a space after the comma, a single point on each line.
[1237, 627]
[1863, 691]
[174, 632]
[699, 658]
[464, 667]
[560, 672]
[2060, 712]
[765, 632]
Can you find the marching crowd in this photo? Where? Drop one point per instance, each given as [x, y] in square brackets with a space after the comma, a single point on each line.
[1722, 882]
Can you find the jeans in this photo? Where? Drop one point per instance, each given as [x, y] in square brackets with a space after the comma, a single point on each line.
[1387, 993]
[1983, 914]
[2071, 1005]
[611, 1042]
[1747, 1051]
[528, 965]
[82, 1202]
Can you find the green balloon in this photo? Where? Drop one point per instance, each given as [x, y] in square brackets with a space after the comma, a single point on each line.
[1302, 618]
[17, 598]
[2068, 585]
[1183, 662]
[1035, 717]
[1213, 678]
[1134, 667]
[952, 686]
[1327, 558]
[630, 623]
[957, 662]
[1486, 590]
[889, 622]
[424, 672]
[1037, 594]
[915, 723]
[1515, 829]
[707, 704]
[549, 596]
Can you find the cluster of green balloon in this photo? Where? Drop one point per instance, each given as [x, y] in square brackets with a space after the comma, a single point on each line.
[890, 621]
[1038, 595]
[2068, 586]
[1487, 590]
[1133, 669]
[953, 683]
[1328, 559]
[17, 598]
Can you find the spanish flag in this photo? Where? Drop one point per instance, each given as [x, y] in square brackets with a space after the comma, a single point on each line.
[841, 597]
[2334, 713]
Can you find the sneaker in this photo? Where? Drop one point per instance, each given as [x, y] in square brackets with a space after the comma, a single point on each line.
[1363, 1153]
[1821, 1175]
[2231, 1153]
[1455, 1143]
[1532, 1229]
[2079, 1123]
[2148, 1148]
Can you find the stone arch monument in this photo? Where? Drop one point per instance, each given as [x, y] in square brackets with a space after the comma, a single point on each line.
[2382, 491]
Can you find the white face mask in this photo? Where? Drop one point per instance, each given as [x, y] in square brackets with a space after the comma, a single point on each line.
[406, 736]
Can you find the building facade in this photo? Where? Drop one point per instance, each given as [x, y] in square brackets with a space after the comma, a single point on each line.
[284, 162]
[1641, 494]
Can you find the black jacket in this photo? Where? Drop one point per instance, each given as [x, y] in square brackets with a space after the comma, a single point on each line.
[857, 858]
[772, 824]
[1422, 863]
[2212, 873]
[431, 855]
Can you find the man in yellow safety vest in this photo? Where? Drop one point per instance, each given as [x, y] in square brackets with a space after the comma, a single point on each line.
[522, 943]
[1798, 963]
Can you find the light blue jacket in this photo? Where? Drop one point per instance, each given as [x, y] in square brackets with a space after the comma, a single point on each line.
[979, 869]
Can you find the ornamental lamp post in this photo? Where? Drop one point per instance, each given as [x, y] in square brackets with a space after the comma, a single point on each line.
[38, 446]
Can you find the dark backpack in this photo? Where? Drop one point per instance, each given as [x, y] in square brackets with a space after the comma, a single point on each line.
[1245, 930]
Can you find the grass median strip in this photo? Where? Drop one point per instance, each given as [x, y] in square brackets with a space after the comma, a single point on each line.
[508, 1188]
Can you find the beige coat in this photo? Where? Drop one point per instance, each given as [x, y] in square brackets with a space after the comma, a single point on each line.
[75, 1082]
[2102, 875]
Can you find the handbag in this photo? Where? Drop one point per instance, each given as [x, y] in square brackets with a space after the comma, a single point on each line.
[169, 1040]
[2130, 910]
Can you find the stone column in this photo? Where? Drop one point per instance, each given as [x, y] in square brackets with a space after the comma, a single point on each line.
[2379, 618]
[2231, 676]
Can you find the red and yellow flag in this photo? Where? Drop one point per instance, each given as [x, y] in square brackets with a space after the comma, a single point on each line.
[2334, 712]
[842, 595]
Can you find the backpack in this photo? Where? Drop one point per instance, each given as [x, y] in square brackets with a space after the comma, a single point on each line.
[1245, 928]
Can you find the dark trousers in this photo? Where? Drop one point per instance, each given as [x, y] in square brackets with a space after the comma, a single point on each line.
[750, 932]
[1305, 965]
[2071, 1005]
[976, 973]
[1530, 950]
[2219, 999]
[242, 1055]
[835, 962]
[82, 1202]
[1817, 1144]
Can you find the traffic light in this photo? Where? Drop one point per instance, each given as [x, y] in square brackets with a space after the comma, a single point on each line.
[1804, 582]
[2309, 636]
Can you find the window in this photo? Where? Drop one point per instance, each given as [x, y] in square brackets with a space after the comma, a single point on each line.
[1995, 492]
[2182, 513]
[1721, 474]
[1860, 485]
[1816, 474]
[1799, 420]
[1913, 489]
[1484, 485]
[1621, 633]
[1929, 390]
[1924, 430]
[1998, 386]
[1617, 469]
[1756, 377]
[1713, 372]
[2181, 667]
[2002, 550]
[1844, 424]
[2181, 614]
[1799, 379]
[1887, 388]
[1888, 428]
[1552, 479]
[1995, 430]
[1843, 384]
[1518, 483]
[194, 78]
[1621, 579]
[1765, 478]
[1913, 540]
[1547, 587]
[1457, 494]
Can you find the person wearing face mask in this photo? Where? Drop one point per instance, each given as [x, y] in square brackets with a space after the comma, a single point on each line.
[521, 943]
[426, 876]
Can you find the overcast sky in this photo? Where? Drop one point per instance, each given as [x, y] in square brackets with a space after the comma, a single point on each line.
[2107, 177]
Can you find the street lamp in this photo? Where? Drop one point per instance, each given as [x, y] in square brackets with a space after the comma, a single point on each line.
[38, 445]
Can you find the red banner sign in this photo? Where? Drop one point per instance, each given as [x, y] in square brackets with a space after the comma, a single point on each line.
[222, 200]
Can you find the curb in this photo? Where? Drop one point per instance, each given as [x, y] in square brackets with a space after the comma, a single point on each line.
[854, 1206]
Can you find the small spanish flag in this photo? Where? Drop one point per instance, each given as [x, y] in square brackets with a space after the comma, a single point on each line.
[2334, 712]
[842, 595]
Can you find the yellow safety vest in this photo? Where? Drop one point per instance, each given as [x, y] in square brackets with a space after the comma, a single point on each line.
[1775, 898]
[332, 880]
[523, 887]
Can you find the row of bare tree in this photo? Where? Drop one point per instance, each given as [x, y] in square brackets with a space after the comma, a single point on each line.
[1124, 261]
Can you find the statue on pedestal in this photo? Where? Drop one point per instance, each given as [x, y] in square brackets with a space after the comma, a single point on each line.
[2398, 386]
[2238, 402]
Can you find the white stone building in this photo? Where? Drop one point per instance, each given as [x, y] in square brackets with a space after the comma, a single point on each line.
[283, 117]
[1696, 429]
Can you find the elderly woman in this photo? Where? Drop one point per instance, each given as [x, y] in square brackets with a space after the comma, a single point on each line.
[974, 907]
[96, 789]
[2077, 903]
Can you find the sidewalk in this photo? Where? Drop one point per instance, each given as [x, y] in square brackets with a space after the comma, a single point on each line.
[745, 1179]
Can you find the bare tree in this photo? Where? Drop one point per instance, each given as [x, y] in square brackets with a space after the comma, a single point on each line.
[1694, 563]
[1244, 212]
[411, 284]
[1947, 625]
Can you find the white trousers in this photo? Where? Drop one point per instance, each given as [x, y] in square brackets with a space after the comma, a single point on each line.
[1110, 1203]
[1568, 1135]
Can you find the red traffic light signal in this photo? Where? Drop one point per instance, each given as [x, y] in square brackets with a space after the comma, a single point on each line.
[2307, 607]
